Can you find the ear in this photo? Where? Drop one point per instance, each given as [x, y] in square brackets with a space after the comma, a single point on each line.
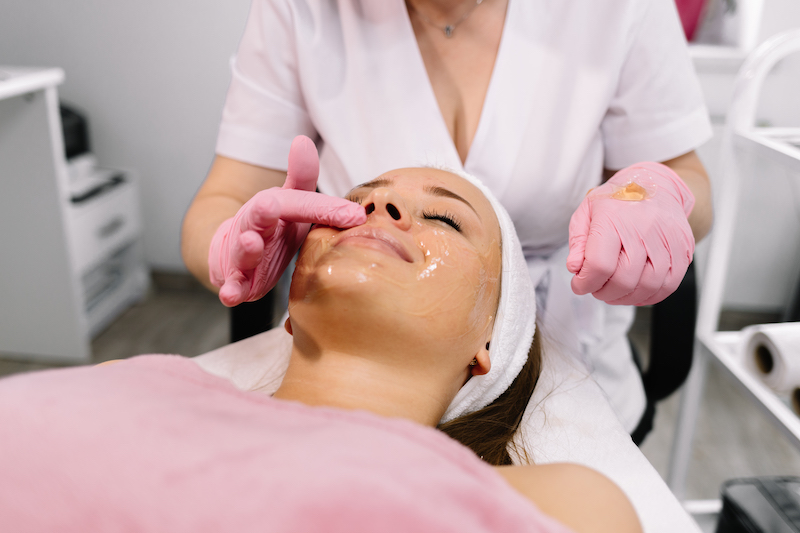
[288, 326]
[484, 362]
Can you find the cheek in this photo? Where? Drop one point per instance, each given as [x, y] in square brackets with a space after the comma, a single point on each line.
[309, 260]
[312, 250]
[460, 287]
[489, 289]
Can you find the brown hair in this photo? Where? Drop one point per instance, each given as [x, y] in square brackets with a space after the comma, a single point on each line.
[489, 431]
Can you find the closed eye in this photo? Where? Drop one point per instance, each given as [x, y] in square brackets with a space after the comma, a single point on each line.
[354, 198]
[445, 217]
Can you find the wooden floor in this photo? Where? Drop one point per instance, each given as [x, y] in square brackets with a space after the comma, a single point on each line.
[733, 439]
[178, 316]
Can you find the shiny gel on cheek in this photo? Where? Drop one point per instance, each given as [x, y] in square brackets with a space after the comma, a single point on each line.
[454, 286]
[489, 288]
[461, 286]
[434, 260]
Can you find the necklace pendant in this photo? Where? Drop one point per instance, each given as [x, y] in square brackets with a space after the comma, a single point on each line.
[448, 30]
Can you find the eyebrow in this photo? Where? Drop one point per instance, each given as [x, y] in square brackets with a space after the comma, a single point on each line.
[441, 191]
[374, 184]
[430, 189]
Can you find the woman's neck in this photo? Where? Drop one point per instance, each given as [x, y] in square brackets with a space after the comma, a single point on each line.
[348, 381]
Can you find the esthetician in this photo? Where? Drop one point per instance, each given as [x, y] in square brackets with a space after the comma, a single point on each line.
[542, 100]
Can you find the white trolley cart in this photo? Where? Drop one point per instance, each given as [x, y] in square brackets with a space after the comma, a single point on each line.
[747, 151]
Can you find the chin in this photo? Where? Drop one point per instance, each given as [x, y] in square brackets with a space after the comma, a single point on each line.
[339, 295]
[324, 272]
[340, 313]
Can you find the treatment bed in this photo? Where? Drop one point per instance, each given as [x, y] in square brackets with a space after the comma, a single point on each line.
[568, 420]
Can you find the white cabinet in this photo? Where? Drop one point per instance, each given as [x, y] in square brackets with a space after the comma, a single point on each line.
[104, 231]
[768, 158]
[66, 268]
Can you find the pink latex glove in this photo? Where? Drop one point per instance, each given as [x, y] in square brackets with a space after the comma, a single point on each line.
[250, 251]
[632, 251]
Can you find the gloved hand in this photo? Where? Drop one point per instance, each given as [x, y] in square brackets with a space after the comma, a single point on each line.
[250, 251]
[629, 241]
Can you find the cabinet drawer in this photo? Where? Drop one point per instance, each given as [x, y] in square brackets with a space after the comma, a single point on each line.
[111, 285]
[100, 225]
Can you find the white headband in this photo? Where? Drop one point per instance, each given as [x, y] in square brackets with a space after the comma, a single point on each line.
[514, 324]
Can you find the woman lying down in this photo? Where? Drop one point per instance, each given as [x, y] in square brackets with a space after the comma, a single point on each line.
[420, 318]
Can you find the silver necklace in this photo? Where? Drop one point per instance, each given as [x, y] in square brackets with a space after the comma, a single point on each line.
[448, 28]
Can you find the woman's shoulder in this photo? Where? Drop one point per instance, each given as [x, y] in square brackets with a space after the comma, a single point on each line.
[579, 497]
[255, 363]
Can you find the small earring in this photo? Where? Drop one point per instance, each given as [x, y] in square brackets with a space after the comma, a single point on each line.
[474, 362]
[487, 345]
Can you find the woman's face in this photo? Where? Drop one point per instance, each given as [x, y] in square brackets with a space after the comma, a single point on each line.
[426, 261]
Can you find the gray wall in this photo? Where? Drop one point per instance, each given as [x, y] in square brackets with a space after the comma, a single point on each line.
[152, 77]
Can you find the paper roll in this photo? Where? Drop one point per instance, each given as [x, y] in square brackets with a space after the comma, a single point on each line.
[772, 352]
[794, 400]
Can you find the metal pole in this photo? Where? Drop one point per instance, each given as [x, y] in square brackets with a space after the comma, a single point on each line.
[686, 423]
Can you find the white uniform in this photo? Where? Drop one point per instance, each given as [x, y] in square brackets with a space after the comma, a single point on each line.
[577, 85]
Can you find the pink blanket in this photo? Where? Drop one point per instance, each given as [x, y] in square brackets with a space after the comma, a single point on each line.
[156, 444]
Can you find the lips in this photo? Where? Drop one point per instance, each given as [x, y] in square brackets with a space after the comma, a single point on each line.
[377, 238]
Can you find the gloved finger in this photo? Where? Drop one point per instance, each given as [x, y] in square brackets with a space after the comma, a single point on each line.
[627, 276]
[261, 213]
[247, 254]
[644, 289]
[234, 291]
[316, 208]
[680, 263]
[303, 169]
[680, 248]
[603, 247]
[650, 282]
[651, 279]
[218, 252]
[578, 233]
[660, 295]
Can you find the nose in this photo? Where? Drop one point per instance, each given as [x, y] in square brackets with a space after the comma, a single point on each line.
[387, 203]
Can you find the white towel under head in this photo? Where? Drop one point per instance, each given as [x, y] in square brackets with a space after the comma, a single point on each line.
[514, 323]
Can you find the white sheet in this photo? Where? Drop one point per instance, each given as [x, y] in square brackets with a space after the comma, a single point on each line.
[568, 420]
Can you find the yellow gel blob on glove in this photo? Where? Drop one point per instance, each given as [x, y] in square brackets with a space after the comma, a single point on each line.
[633, 192]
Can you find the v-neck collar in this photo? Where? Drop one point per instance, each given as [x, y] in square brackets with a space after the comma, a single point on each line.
[427, 102]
